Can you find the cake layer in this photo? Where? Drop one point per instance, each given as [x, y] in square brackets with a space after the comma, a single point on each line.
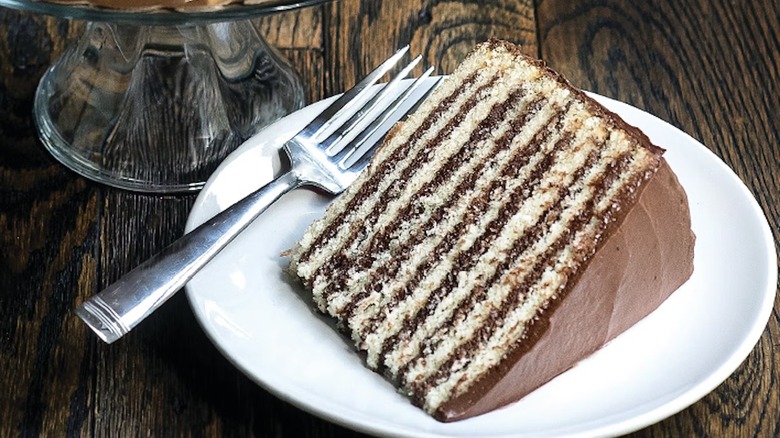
[475, 219]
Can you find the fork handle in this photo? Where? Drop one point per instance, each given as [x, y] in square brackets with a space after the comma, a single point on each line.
[122, 305]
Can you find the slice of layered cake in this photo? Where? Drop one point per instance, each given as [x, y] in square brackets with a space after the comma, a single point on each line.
[506, 230]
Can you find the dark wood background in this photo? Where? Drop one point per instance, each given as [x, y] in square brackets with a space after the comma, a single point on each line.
[710, 67]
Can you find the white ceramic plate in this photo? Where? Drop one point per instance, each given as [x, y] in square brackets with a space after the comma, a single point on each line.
[265, 324]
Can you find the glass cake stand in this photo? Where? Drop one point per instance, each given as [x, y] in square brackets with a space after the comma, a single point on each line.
[154, 101]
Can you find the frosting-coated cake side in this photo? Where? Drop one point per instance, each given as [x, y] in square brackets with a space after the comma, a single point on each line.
[646, 259]
[471, 261]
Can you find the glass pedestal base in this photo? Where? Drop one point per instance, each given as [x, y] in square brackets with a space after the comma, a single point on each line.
[157, 108]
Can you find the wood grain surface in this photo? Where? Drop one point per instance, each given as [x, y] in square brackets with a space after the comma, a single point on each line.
[710, 67]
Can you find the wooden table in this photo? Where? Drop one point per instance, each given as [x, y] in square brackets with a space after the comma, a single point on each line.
[711, 68]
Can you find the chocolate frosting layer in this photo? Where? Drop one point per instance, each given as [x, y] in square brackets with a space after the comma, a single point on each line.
[647, 257]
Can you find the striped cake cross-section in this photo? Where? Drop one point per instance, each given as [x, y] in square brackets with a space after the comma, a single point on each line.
[506, 230]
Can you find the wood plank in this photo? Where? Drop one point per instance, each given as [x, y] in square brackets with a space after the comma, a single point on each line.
[678, 60]
[360, 35]
[295, 30]
[48, 245]
[48, 242]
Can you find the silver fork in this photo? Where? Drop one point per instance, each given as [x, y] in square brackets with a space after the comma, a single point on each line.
[328, 153]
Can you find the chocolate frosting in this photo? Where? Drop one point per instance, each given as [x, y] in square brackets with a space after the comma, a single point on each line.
[647, 257]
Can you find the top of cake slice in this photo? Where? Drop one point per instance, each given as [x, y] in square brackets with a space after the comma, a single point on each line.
[446, 260]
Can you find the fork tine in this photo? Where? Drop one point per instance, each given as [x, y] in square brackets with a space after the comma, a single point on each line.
[326, 117]
[349, 150]
[361, 114]
[367, 154]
